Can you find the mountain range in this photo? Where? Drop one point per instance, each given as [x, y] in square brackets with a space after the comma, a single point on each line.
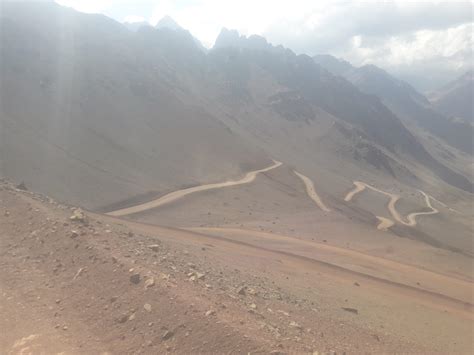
[158, 197]
[455, 98]
[412, 107]
[90, 105]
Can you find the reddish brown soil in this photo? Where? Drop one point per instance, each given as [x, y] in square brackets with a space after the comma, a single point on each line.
[66, 287]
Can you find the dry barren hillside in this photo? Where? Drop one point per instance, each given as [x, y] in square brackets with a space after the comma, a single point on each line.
[455, 98]
[87, 121]
[76, 282]
[95, 114]
[158, 197]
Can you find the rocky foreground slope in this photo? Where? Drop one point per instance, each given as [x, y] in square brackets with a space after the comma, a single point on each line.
[76, 282]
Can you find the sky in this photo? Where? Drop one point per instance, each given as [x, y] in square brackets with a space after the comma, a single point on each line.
[424, 42]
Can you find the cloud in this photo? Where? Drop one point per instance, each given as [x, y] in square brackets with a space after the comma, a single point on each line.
[335, 25]
[88, 6]
[399, 36]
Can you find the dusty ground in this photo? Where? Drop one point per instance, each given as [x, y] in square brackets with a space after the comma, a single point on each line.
[277, 202]
[67, 287]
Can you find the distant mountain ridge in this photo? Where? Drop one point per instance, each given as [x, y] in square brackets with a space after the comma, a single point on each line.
[456, 98]
[166, 24]
[410, 105]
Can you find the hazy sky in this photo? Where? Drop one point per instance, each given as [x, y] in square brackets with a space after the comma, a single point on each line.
[431, 40]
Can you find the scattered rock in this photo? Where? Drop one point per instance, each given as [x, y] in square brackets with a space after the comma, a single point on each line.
[251, 291]
[74, 234]
[356, 284]
[293, 324]
[147, 307]
[21, 186]
[241, 290]
[78, 215]
[135, 278]
[200, 276]
[123, 318]
[167, 335]
[79, 272]
[150, 282]
[154, 247]
[352, 310]
[210, 312]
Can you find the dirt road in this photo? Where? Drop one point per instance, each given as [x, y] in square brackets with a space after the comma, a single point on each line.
[385, 223]
[347, 262]
[175, 195]
[311, 191]
[411, 218]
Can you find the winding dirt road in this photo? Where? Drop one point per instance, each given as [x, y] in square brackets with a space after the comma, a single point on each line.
[175, 195]
[311, 191]
[361, 186]
[385, 223]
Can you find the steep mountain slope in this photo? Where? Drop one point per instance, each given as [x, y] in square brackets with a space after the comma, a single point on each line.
[95, 114]
[88, 120]
[456, 98]
[403, 100]
[237, 57]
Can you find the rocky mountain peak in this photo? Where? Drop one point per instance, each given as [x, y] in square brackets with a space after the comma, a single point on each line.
[168, 22]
